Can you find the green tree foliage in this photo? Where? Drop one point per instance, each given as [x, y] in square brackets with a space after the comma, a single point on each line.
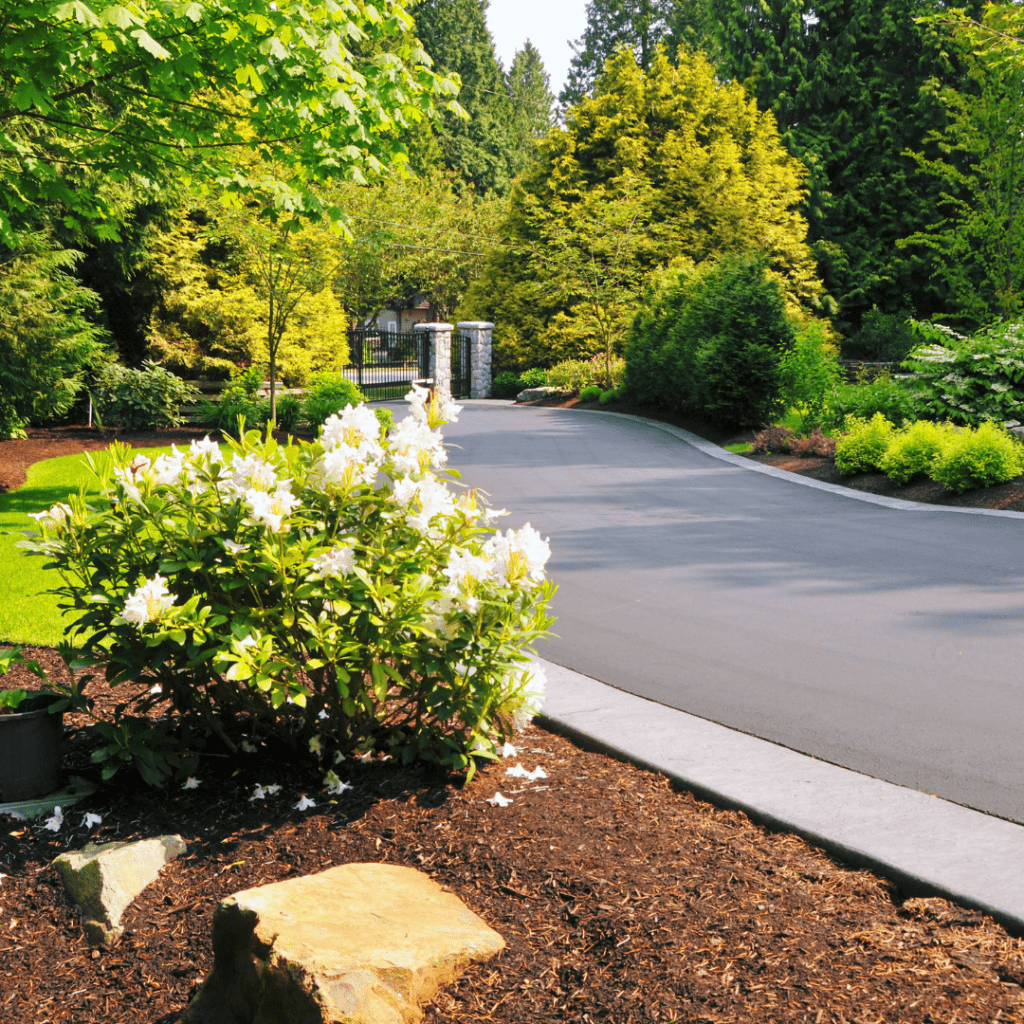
[851, 83]
[529, 89]
[978, 244]
[427, 235]
[91, 92]
[708, 167]
[455, 33]
[639, 25]
[229, 287]
[710, 341]
[47, 340]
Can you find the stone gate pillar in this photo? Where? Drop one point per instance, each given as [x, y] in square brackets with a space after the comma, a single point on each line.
[440, 357]
[479, 332]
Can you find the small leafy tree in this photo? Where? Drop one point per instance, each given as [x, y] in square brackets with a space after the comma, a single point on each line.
[46, 337]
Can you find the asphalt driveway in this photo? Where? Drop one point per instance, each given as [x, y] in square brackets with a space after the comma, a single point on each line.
[886, 640]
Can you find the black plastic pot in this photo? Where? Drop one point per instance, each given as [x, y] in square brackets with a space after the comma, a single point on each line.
[30, 742]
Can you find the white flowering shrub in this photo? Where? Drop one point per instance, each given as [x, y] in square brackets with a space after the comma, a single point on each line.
[337, 594]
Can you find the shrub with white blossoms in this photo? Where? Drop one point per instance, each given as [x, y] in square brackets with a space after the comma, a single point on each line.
[339, 591]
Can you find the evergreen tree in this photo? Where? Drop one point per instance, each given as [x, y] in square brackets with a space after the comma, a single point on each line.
[455, 34]
[638, 24]
[711, 173]
[529, 88]
[852, 85]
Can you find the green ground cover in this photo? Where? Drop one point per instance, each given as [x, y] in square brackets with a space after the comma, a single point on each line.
[27, 614]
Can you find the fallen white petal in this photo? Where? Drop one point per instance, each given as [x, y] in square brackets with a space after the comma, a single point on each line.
[507, 750]
[90, 820]
[191, 783]
[54, 823]
[537, 773]
[304, 804]
[519, 772]
[499, 801]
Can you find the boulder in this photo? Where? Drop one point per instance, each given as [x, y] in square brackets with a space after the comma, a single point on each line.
[356, 944]
[535, 394]
[104, 878]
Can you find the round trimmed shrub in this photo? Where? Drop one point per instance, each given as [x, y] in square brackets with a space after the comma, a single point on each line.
[978, 458]
[709, 341]
[914, 449]
[864, 445]
[328, 393]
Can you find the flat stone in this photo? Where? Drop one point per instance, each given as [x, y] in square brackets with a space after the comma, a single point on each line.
[104, 878]
[356, 944]
[533, 394]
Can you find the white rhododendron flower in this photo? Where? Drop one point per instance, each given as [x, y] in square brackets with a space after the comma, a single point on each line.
[262, 792]
[54, 822]
[336, 562]
[343, 467]
[519, 772]
[90, 820]
[305, 804]
[415, 447]
[205, 449]
[270, 510]
[249, 473]
[516, 552]
[191, 783]
[358, 428]
[434, 499]
[56, 516]
[418, 398]
[499, 801]
[148, 603]
[168, 468]
[234, 548]
[533, 695]
[334, 785]
[404, 490]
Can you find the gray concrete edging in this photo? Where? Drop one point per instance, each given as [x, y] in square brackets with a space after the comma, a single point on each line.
[927, 845]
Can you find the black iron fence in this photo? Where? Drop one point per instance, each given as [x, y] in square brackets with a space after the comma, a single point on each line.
[461, 367]
[385, 363]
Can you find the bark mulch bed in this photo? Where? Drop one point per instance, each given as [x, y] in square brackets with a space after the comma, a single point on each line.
[622, 899]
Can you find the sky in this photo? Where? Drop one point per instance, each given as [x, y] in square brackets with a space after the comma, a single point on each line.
[548, 24]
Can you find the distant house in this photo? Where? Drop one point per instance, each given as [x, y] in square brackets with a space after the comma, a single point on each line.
[401, 315]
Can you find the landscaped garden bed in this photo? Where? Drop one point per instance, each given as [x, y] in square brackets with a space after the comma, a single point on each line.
[621, 899]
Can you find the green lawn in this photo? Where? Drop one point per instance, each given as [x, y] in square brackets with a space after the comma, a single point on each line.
[27, 615]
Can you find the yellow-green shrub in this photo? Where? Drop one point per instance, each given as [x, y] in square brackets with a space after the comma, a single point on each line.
[978, 458]
[914, 449]
[865, 444]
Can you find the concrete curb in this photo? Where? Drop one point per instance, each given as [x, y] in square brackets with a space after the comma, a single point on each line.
[928, 846]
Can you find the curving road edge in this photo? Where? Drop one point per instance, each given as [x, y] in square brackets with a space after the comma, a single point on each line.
[928, 846]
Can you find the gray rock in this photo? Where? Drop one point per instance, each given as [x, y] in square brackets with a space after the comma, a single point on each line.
[356, 944]
[533, 394]
[104, 878]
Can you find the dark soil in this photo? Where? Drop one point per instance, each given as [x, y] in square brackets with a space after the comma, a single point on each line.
[622, 900]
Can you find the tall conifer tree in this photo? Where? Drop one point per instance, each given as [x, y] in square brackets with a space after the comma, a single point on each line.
[529, 88]
[639, 24]
[851, 83]
[455, 34]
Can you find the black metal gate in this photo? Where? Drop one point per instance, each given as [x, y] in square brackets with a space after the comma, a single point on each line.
[461, 367]
[385, 363]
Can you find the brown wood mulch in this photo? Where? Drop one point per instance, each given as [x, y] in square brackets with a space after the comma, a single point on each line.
[622, 899]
